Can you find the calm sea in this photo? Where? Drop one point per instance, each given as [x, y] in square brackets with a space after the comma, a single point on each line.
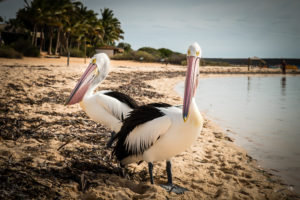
[262, 114]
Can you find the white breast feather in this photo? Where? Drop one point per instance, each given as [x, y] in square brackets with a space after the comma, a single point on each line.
[144, 135]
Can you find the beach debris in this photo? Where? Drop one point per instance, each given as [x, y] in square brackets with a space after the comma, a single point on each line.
[34, 125]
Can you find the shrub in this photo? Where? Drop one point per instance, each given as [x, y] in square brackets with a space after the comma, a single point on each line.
[177, 58]
[144, 56]
[25, 47]
[90, 51]
[151, 51]
[8, 52]
[125, 46]
[213, 63]
[76, 53]
[136, 55]
[124, 56]
[164, 53]
[32, 52]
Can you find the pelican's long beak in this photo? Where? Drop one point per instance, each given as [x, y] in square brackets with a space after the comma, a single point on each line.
[82, 85]
[190, 82]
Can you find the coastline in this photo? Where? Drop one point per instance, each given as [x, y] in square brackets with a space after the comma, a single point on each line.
[213, 168]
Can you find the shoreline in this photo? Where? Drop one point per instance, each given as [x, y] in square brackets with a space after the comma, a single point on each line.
[214, 167]
[247, 141]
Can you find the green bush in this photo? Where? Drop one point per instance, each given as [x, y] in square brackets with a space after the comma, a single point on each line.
[164, 53]
[8, 52]
[213, 63]
[32, 52]
[123, 56]
[136, 55]
[25, 47]
[144, 56]
[177, 58]
[76, 53]
[90, 51]
[125, 46]
[151, 51]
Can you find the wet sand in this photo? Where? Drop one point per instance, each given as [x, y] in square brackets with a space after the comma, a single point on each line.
[48, 150]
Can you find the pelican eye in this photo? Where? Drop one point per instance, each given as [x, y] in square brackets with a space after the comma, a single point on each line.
[189, 52]
[197, 53]
[94, 61]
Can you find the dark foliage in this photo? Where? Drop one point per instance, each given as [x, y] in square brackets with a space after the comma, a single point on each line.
[26, 48]
[7, 52]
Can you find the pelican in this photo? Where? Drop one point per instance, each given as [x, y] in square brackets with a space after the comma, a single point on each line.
[106, 107]
[157, 132]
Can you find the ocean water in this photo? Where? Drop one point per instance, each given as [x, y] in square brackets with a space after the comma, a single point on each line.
[262, 114]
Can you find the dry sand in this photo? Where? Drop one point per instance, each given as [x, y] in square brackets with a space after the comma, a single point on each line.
[49, 151]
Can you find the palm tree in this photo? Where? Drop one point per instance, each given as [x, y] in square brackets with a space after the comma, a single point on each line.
[34, 17]
[69, 22]
[28, 16]
[63, 9]
[88, 27]
[13, 25]
[111, 26]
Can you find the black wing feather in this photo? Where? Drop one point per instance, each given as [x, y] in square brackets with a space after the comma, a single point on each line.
[159, 105]
[136, 117]
[123, 98]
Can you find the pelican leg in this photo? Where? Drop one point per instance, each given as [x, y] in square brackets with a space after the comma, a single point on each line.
[170, 187]
[169, 172]
[150, 167]
[111, 140]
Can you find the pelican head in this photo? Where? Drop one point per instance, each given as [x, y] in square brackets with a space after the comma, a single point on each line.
[95, 73]
[192, 76]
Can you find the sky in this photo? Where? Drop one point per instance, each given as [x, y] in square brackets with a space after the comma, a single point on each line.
[223, 28]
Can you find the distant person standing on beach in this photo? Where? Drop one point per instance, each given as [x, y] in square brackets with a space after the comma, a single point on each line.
[283, 66]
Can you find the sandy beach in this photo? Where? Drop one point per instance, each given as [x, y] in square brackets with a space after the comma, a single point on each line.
[50, 151]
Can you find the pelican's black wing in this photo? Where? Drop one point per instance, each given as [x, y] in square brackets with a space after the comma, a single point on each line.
[123, 98]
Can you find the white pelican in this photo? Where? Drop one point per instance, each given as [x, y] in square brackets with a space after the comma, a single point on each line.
[158, 132]
[106, 107]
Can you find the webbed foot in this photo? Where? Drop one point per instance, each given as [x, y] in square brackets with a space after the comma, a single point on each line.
[174, 188]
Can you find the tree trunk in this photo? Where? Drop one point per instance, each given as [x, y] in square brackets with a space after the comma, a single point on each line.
[42, 40]
[33, 35]
[63, 43]
[68, 49]
[50, 42]
[84, 50]
[67, 42]
[71, 43]
[35, 39]
[57, 41]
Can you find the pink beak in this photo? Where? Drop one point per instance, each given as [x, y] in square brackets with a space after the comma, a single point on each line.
[190, 80]
[82, 85]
